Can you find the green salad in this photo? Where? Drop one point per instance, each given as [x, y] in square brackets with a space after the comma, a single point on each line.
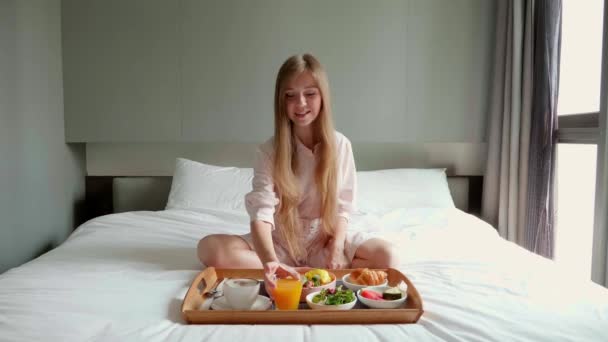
[335, 296]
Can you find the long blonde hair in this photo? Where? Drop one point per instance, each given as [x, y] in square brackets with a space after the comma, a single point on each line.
[285, 157]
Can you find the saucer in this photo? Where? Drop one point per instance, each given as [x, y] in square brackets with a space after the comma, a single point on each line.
[261, 303]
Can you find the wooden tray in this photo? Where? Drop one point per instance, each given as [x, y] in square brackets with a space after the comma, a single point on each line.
[210, 277]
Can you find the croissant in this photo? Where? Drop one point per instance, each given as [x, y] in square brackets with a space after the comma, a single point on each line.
[365, 276]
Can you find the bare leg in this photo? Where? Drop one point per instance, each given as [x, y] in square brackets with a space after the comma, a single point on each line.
[375, 253]
[227, 251]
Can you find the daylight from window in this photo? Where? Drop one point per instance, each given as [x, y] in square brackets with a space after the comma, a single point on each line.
[575, 202]
[579, 93]
[581, 55]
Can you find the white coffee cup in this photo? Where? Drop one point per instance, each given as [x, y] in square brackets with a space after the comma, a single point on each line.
[241, 293]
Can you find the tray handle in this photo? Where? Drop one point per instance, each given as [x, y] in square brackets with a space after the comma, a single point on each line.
[414, 299]
[202, 284]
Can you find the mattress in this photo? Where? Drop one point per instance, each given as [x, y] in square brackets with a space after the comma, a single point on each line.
[122, 277]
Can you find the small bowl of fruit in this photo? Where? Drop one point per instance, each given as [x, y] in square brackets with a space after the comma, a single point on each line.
[316, 280]
[383, 297]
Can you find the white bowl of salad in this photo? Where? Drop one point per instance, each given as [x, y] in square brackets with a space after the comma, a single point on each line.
[332, 299]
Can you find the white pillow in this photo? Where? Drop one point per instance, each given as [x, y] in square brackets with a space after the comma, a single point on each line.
[382, 190]
[200, 186]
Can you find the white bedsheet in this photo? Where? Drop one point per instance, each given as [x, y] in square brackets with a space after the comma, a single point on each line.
[123, 277]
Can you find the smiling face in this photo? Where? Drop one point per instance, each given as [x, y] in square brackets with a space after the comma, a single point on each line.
[303, 100]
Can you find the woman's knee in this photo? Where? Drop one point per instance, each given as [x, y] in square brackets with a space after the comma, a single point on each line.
[218, 250]
[387, 256]
[378, 253]
[209, 249]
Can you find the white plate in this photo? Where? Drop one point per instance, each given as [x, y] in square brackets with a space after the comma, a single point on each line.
[356, 287]
[261, 303]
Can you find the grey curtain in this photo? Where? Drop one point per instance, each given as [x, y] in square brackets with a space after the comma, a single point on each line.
[505, 179]
[540, 216]
[518, 195]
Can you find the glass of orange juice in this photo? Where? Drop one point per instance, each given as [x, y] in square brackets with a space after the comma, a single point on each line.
[287, 294]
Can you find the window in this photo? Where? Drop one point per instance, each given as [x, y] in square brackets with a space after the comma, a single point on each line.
[581, 57]
[578, 108]
[575, 198]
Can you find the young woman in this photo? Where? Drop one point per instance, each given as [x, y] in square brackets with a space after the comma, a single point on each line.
[304, 187]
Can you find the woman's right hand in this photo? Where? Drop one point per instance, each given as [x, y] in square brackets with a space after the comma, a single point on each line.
[274, 270]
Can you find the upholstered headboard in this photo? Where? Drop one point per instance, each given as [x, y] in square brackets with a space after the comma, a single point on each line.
[150, 193]
[137, 176]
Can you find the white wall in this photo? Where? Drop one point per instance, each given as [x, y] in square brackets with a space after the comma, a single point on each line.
[41, 177]
[203, 70]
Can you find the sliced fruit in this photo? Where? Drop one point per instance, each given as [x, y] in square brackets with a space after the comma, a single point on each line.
[322, 274]
[392, 294]
[369, 294]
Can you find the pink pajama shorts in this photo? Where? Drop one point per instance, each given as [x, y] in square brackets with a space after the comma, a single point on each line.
[318, 256]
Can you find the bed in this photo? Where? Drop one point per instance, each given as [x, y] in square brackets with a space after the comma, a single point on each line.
[122, 277]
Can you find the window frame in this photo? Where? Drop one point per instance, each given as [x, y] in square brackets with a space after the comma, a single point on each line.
[581, 128]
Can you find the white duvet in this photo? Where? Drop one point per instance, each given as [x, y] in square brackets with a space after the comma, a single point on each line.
[122, 277]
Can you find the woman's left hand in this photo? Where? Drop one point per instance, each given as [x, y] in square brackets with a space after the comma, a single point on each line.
[274, 270]
[337, 259]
